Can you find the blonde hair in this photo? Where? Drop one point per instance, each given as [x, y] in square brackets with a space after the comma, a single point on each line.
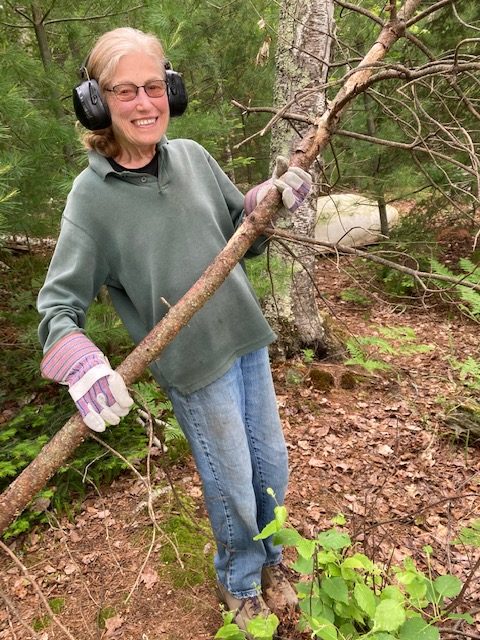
[101, 65]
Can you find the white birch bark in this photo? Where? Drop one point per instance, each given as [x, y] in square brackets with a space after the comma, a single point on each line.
[303, 53]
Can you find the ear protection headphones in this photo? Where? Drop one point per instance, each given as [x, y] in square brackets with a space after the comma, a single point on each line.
[92, 110]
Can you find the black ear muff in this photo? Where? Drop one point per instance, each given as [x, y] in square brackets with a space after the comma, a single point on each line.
[90, 108]
[177, 93]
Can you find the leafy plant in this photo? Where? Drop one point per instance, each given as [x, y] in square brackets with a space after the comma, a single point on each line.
[470, 535]
[259, 628]
[356, 296]
[394, 341]
[345, 596]
[469, 372]
[308, 356]
[470, 299]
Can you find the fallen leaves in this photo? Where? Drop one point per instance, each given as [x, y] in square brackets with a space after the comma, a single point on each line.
[149, 577]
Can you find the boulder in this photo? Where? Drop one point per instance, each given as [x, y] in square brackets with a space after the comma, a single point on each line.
[350, 219]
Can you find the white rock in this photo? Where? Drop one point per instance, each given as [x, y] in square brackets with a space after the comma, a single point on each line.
[350, 219]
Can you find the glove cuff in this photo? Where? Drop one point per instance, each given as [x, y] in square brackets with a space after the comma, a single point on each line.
[65, 355]
[256, 195]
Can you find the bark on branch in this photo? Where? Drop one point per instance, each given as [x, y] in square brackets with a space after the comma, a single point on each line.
[63, 444]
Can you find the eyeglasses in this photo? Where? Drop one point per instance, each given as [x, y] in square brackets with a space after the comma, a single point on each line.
[128, 91]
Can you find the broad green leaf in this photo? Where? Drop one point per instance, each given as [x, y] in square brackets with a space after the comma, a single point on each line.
[281, 515]
[461, 616]
[349, 612]
[326, 557]
[303, 566]
[365, 598]
[470, 535]
[288, 537]
[336, 588]
[355, 562]
[306, 548]
[389, 616]
[323, 629]
[418, 629]
[392, 593]
[447, 586]
[267, 531]
[379, 636]
[333, 539]
[316, 608]
[230, 632]
[347, 630]
[417, 588]
[263, 628]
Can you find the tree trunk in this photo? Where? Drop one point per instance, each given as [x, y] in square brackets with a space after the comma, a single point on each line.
[61, 447]
[379, 193]
[302, 62]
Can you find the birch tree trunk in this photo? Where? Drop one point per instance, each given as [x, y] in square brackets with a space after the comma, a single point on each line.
[302, 62]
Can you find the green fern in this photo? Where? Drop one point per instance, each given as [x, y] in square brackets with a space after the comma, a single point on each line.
[153, 399]
[469, 372]
[471, 274]
[397, 341]
[360, 357]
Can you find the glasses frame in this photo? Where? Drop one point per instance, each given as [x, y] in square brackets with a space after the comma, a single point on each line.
[137, 87]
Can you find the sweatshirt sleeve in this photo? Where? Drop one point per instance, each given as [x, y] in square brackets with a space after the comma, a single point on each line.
[76, 273]
[236, 204]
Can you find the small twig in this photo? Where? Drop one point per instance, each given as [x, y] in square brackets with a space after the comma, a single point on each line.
[37, 589]
[415, 273]
[17, 614]
[457, 632]
[465, 586]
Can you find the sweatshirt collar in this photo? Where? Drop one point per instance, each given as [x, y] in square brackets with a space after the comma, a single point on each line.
[101, 166]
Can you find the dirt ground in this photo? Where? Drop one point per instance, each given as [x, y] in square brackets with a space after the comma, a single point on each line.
[378, 452]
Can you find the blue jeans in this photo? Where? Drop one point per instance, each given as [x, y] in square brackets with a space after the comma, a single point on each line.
[236, 438]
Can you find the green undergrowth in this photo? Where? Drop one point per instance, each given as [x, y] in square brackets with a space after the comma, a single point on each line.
[191, 542]
[36, 408]
[344, 595]
[394, 342]
[92, 464]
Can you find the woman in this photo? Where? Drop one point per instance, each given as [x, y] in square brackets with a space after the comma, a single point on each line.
[145, 218]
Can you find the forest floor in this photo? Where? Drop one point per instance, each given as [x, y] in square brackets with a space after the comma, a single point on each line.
[379, 453]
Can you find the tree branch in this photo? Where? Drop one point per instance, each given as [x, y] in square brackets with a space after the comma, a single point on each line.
[344, 249]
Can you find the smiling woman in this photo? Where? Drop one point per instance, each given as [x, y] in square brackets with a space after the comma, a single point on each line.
[145, 218]
[139, 121]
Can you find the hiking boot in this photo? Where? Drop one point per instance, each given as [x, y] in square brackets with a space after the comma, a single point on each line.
[246, 608]
[277, 590]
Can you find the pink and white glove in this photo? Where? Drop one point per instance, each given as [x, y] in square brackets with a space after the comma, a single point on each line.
[293, 183]
[98, 391]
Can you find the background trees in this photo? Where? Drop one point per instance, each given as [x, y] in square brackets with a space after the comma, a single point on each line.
[42, 46]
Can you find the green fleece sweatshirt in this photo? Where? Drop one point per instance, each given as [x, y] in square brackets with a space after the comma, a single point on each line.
[149, 239]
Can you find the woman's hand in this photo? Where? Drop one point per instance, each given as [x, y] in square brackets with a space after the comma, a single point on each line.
[293, 183]
[98, 391]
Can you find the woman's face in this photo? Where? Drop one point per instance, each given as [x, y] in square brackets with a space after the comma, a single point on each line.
[139, 123]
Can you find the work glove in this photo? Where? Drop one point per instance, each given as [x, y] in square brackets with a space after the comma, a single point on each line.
[98, 391]
[293, 183]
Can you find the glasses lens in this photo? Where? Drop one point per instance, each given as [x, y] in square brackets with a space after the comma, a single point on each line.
[155, 89]
[125, 92]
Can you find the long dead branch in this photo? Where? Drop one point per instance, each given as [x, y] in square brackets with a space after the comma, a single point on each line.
[339, 248]
[62, 445]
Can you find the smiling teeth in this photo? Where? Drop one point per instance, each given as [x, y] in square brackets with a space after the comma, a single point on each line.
[144, 122]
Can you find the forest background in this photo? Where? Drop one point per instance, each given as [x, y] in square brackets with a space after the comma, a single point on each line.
[225, 51]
